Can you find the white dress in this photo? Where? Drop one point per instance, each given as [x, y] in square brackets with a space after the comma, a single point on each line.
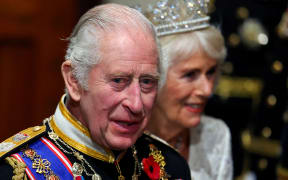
[210, 150]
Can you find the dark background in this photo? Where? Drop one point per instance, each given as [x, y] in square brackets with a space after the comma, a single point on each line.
[251, 97]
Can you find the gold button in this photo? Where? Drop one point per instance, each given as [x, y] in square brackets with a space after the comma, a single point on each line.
[36, 128]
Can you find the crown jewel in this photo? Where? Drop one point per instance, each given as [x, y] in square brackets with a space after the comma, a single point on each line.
[173, 16]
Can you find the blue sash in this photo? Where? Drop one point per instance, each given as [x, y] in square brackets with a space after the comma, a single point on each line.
[51, 157]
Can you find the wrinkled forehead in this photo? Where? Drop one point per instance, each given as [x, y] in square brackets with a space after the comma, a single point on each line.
[130, 42]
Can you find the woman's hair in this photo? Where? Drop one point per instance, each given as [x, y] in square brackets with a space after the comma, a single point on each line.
[181, 46]
[85, 41]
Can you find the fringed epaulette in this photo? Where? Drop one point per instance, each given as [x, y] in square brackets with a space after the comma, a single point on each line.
[11, 144]
[18, 168]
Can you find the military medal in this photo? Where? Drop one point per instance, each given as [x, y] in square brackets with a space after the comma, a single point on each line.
[52, 177]
[77, 170]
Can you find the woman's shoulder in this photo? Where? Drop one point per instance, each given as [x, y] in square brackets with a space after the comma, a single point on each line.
[213, 129]
[214, 124]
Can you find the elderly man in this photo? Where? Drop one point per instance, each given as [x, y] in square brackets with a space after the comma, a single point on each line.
[111, 75]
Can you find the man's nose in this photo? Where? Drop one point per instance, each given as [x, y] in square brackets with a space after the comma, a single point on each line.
[134, 100]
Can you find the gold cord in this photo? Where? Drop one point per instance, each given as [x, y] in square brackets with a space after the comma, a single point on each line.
[136, 165]
[120, 177]
[73, 152]
[19, 168]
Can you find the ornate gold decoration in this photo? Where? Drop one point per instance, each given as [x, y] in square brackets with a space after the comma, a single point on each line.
[159, 158]
[42, 166]
[57, 135]
[109, 157]
[19, 168]
[14, 141]
[71, 151]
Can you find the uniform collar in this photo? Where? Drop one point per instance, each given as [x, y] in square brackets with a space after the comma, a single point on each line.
[69, 129]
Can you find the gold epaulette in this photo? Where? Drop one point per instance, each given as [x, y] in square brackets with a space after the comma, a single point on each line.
[19, 139]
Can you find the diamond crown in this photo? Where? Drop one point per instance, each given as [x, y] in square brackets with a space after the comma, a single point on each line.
[173, 16]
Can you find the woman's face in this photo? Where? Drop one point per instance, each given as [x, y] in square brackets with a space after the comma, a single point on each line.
[188, 86]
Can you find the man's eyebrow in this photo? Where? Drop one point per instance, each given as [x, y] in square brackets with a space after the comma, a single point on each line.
[152, 75]
[119, 74]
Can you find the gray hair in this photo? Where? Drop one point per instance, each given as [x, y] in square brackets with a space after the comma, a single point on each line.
[85, 41]
[181, 46]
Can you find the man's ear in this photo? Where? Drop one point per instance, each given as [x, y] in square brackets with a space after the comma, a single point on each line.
[71, 82]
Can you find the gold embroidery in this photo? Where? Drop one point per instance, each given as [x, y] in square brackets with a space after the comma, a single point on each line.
[109, 157]
[19, 168]
[19, 139]
[42, 166]
[159, 158]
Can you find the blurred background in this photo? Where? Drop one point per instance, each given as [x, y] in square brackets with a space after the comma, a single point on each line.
[251, 96]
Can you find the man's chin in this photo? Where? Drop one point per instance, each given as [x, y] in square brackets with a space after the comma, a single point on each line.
[122, 143]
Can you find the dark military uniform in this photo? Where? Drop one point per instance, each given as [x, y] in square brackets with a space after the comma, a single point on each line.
[46, 152]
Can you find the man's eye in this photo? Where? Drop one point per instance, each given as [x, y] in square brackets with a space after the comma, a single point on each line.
[148, 84]
[119, 83]
[117, 80]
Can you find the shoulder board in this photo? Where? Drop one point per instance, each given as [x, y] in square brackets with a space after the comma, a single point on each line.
[19, 139]
[152, 136]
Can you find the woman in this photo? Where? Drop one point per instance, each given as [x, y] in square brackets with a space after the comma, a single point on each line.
[193, 59]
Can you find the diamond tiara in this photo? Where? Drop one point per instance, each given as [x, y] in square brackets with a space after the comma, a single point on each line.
[175, 16]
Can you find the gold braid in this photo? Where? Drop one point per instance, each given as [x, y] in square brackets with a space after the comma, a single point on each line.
[19, 168]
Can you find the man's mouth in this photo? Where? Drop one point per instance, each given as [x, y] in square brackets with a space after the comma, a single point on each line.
[127, 127]
[126, 123]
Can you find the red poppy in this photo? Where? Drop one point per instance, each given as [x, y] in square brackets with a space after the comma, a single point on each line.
[151, 168]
